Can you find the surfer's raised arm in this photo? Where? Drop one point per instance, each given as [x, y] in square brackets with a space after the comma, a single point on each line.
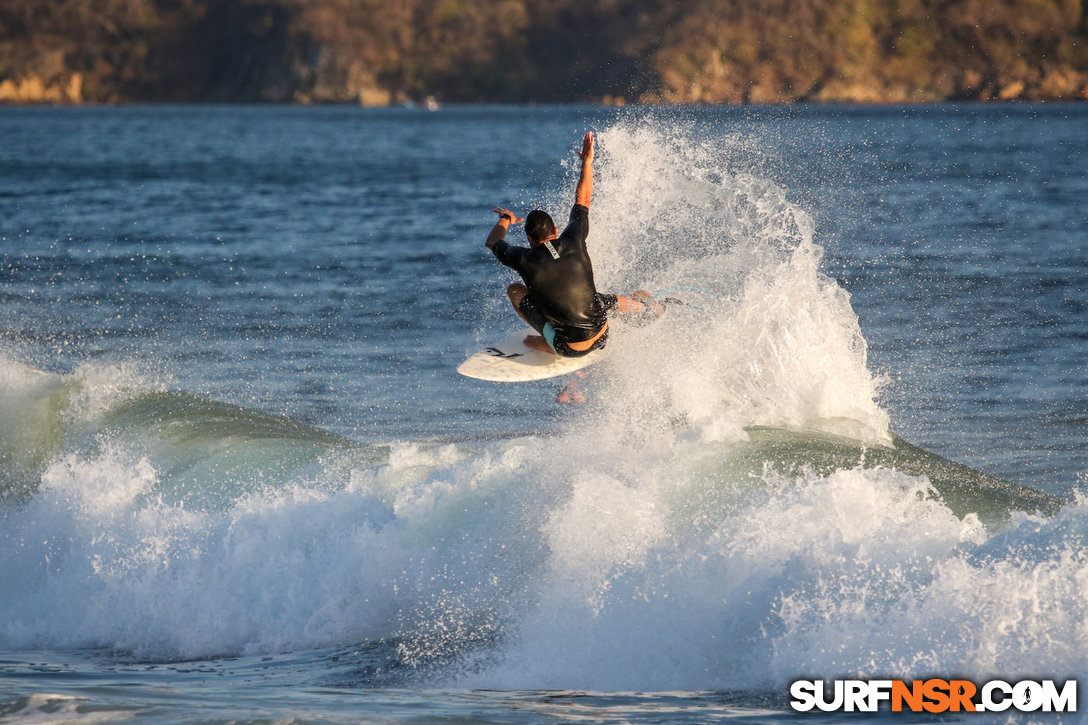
[498, 232]
[583, 194]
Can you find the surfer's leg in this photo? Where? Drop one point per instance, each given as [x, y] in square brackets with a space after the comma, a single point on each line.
[516, 292]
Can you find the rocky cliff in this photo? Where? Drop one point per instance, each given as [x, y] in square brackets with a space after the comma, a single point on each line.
[677, 51]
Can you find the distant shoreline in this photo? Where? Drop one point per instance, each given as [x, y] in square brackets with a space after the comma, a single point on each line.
[128, 103]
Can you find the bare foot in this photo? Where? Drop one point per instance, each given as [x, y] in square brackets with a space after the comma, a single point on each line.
[536, 342]
[571, 394]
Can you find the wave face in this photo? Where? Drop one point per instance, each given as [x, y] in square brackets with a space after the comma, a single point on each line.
[729, 511]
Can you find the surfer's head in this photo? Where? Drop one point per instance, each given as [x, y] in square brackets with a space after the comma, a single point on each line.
[539, 226]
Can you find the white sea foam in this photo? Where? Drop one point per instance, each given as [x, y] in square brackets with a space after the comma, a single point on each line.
[48, 708]
[647, 568]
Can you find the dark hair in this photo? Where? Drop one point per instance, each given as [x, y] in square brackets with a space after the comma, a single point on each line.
[538, 226]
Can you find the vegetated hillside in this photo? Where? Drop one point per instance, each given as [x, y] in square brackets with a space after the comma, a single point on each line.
[389, 51]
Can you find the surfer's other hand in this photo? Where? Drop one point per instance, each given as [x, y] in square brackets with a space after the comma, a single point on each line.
[587, 148]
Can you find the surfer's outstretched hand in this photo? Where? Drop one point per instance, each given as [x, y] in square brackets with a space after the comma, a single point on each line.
[637, 303]
[508, 215]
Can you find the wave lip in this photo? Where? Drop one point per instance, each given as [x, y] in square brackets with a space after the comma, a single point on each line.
[963, 489]
[204, 452]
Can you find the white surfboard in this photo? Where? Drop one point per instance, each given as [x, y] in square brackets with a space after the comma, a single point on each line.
[512, 361]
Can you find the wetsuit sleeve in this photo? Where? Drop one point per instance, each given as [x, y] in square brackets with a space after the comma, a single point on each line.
[508, 254]
[608, 302]
[578, 226]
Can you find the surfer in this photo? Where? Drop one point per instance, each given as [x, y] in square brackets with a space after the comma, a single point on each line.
[558, 298]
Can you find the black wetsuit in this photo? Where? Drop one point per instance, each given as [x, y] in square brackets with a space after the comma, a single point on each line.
[559, 277]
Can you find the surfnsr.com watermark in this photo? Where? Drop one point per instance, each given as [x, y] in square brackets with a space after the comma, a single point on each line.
[933, 695]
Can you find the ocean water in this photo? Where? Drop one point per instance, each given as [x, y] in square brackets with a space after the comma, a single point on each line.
[240, 480]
